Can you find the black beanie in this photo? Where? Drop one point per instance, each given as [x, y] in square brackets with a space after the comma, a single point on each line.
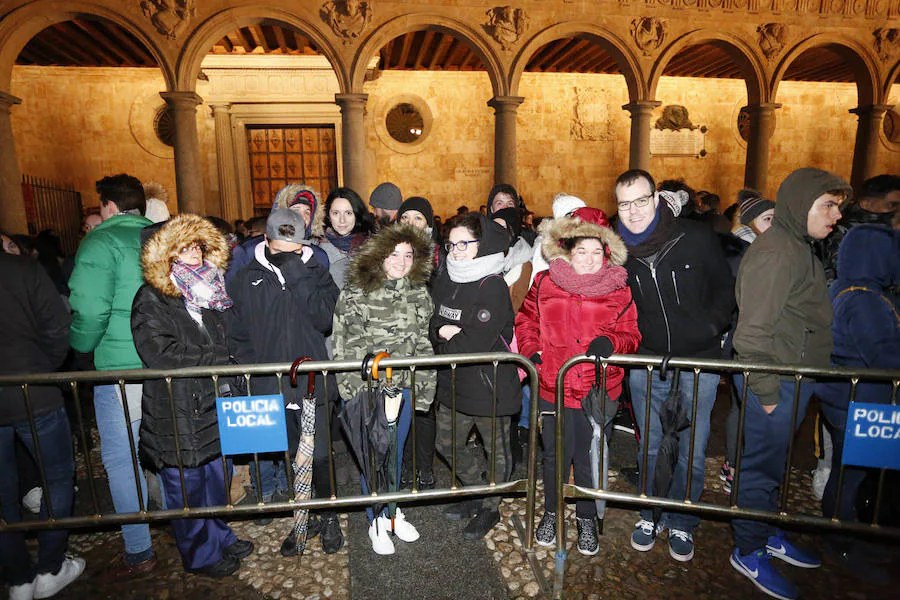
[420, 204]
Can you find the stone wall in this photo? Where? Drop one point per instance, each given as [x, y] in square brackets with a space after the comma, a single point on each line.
[80, 124]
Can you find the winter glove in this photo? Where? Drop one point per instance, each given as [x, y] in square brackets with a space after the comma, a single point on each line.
[536, 358]
[600, 347]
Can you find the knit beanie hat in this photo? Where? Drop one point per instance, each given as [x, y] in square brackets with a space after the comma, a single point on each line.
[386, 196]
[563, 204]
[592, 215]
[752, 205]
[420, 204]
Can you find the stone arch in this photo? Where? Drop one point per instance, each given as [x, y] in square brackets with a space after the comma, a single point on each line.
[17, 28]
[208, 33]
[892, 77]
[739, 51]
[416, 22]
[606, 39]
[855, 54]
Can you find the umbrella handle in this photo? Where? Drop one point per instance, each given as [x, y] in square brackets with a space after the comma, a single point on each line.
[664, 367]
[311, 380]
[364, 370]
[388, 371]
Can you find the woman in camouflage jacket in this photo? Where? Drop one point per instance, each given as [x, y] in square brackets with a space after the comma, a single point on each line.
[385, 306]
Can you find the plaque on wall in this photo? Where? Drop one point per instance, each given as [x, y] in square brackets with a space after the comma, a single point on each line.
[674, 134]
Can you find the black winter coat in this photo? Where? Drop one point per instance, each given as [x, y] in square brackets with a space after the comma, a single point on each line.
[275, 323]
[484, 312]
[684, 295]
[34, 327]
[166, 337]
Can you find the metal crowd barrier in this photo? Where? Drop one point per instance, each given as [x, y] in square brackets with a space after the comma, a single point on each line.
[120, 378]
[640, 499]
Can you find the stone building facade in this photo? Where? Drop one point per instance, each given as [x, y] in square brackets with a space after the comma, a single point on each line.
[544, 132]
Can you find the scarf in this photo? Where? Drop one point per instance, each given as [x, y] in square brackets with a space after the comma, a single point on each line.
[201, 286]
[346, 243]
[608, 279]
[467, 271]
[519, 254]
[649, 241]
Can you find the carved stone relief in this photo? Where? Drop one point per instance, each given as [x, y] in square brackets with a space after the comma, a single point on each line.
[648, 33]
[347, 18]
[506, 25]
[869, 9]
[887, 42]
[674, 117]
[169, 18]
[771, 39]
[591, 121]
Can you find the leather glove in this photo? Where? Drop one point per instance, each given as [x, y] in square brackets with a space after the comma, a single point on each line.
[536, 358]
[600, 347]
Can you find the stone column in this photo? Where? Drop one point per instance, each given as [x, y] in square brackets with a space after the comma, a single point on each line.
[12, 205]
[505, 137]
[188, 168]
[353, 141]
[756, 167]
[229, 200]
[639, 150]
[865, 152]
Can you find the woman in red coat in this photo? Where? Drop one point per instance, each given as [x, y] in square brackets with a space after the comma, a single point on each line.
[581, 305]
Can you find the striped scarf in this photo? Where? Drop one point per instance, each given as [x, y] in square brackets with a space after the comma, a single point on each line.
[202, 287]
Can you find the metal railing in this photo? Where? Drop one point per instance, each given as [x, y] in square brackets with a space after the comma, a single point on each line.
[641, 499]
[74, 379]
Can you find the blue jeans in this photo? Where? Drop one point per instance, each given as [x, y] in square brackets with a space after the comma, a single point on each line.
[404, 421]
[271, 474]
[706, 394]
[763, 460]
[525, 415]
[55, 440]
[117, 460]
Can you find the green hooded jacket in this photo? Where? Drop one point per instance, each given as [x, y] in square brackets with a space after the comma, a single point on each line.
[784, 311]
[106, 277]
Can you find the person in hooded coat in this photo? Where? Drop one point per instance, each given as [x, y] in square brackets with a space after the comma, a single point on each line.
[178, 320]
[385, 306]
[582, 304]
[473, 313]
[784, 318]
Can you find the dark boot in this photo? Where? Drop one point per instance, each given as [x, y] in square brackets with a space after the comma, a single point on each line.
[332, 536]
[483, 522]
[465, 509]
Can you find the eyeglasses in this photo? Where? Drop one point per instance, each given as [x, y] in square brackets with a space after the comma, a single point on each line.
[195, 247]
[637, 202]
[461, 245]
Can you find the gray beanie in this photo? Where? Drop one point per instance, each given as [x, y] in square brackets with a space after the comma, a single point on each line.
[386, 196]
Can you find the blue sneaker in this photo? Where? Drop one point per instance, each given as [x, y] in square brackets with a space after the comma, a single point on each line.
[779, 547]
[644, 535]
[756, 567]
[681, 545]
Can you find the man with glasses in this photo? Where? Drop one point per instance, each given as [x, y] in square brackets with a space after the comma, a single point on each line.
[684, 294]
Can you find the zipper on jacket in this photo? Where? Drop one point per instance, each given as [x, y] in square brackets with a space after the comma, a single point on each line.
[675, 284]
[806, 333]
[662, 306]
[640, 285]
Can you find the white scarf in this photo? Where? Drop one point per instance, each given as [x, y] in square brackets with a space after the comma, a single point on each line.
[467, 271]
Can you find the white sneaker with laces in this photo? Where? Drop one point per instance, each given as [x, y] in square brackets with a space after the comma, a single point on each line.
[48, 584]
[381, 542]
[24, 591]
[32, 500]
[403, 529]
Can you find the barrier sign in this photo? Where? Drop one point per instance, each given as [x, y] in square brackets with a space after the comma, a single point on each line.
[249, 424]
[873, 436]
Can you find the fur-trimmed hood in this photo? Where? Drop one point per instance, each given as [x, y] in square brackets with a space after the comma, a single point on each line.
[163, 248]
[365, 270]
[286, 195]
[556, 230]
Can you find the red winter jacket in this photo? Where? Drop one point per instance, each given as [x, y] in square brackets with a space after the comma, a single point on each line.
[561, 325]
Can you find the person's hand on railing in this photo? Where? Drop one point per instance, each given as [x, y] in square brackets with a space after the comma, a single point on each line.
[600, 347]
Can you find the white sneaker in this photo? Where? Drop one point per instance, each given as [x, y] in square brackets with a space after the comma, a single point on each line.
[48, 584]
[403, 529]
[381, 542]
[32, 500]
[23, 591]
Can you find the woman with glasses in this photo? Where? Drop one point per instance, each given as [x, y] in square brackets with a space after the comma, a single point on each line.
[385, 306]
[178, 320]
[473, 313]
[581, 305]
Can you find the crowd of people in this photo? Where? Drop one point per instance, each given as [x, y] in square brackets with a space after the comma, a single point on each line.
[783, 282]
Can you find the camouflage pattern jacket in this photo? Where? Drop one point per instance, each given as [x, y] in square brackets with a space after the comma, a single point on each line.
[374, 313]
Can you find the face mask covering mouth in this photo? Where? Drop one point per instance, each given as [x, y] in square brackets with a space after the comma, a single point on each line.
[281, 258]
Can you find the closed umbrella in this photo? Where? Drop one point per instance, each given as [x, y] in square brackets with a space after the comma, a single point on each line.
[673, 419]
[598, 408]
[303, 461]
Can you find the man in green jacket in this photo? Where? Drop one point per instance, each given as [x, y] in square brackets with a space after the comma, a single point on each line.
[785, 318]
[106, 277]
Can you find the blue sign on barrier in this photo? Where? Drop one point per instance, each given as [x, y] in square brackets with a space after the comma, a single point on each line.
[873, 436]
[249, 424]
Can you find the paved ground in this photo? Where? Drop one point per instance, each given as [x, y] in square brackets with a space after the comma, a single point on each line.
[443, 565]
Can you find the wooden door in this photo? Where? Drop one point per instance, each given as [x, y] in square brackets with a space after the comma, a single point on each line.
[290, 154]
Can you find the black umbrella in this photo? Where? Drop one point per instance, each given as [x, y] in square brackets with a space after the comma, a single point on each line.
[369, 432]
[673, 418]
[598, 407]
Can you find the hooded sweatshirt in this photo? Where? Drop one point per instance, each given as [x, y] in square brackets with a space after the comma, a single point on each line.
[376, 314]
[472, 295]
[784, 312]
